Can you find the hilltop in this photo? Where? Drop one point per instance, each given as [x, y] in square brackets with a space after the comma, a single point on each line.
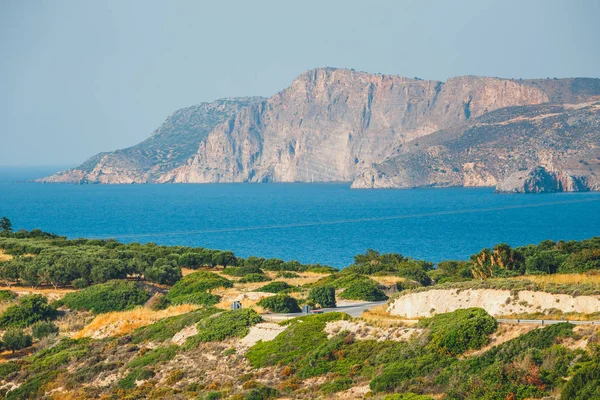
[339, 125]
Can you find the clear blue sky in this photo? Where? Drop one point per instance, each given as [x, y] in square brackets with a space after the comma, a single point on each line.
[79, 77]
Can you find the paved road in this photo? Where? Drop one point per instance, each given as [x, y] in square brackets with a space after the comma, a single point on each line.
[356, 310]
[544, 321]
[353, 310]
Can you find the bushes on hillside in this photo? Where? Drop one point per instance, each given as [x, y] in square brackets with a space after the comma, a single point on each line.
[225, 325]
[275, 287]
[7, 295]
[243, 270]
[280, 303]
[363, 290]
[585, 384]
[323, 296]
[27, 311]
[251, 278]
[199, 298]
[200, 281]
[106, 297]
[456, 332]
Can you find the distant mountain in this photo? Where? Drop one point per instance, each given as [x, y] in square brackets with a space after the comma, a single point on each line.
[374, 131]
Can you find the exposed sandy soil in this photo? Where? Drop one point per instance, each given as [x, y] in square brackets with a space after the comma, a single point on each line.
[363, 331]
[261, 332]
[495, 302]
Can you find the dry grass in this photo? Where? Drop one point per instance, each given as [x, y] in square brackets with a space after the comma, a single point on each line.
[387, 279]
[380, 317]
[49, 292]
[562, 279]
[123, 322]
[4, 256]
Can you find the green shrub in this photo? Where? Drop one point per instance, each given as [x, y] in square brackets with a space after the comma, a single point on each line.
[455, 332]
[585, 383]
[255, 278]
[243, 271]
[27, 311]
[105, 297]
[15, 339]
[7, 295]
[274, 287]
[200, 281]
[154, 356]
[80, 283]
[261, 393]
[280, 303]
[234, 323]
[41, 329]
[287, 274]
[337, 385]
[213, 396]
[408, 396]
[323, 295]
[368, 291]
[201, 299]
[8, 368]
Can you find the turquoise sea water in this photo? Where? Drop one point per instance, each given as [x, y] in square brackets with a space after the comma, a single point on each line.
[325, 223]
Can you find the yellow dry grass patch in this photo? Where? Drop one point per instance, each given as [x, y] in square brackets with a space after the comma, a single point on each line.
[4, 256]
[563, 279]
[305, 278]
[49, 292]
[387, 279]
[380, 317]
[123, 322]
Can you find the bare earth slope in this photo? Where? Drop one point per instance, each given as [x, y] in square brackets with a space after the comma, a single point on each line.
[328, 125]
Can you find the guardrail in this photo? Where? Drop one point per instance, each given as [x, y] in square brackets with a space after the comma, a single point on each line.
[545, 321]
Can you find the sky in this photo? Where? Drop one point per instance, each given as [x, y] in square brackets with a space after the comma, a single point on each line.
[81, 77]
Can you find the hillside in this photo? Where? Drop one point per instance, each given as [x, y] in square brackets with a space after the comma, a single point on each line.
[84, 319]
[328, 125]
[537, 148]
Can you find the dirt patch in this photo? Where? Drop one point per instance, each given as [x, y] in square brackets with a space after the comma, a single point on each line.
[260, 332]
[180, 337]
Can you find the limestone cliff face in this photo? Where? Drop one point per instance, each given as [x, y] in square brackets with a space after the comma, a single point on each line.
[328, 125]
[528, 149]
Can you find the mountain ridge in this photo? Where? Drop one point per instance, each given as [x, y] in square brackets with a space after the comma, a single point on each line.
[329, 125]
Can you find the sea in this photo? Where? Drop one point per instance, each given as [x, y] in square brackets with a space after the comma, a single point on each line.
[312, 223]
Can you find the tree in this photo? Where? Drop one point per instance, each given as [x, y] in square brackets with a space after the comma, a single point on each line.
[224, 259]
[41, 329]
[323, 296]
[163, 271]
[5, 225]
[280, 303]
[15, 339]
